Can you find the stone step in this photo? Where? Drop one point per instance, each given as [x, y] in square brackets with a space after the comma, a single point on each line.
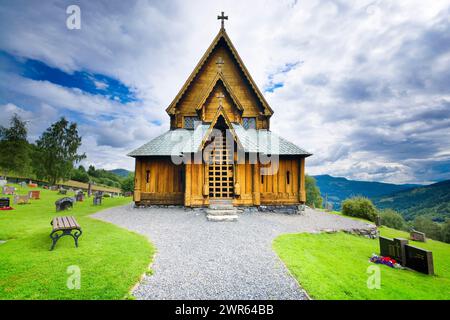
[221, 202]
[222, 212]
[221, 206]
[222, 218]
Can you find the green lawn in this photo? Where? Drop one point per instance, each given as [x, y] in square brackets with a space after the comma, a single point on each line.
[334, 266]
[111, 259]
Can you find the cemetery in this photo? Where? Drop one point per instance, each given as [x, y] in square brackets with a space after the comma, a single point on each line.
[27, 229]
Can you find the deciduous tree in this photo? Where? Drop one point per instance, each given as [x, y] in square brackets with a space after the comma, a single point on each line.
[57, 150]
[313, 198]
[14, 147]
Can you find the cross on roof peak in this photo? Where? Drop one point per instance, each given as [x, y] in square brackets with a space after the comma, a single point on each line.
[222, 17]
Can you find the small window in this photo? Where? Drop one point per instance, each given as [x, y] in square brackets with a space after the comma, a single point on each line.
[189, 122]
[147, 176]
[288, 177]
[249, 123]
[262, 179]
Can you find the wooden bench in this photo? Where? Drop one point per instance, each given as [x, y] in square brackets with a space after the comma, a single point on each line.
[63, 226]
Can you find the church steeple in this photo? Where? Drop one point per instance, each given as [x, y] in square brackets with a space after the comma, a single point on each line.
[220, 69]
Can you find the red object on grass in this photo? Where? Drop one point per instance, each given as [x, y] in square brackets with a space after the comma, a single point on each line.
[7, 208]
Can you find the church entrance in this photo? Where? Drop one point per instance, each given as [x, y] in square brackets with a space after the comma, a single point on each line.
[221, 170]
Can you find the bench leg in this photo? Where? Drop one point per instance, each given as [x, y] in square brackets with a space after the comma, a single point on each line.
[55, 236]
[76, 235]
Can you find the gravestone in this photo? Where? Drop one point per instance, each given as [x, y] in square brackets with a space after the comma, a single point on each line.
[64, 203]
[417, 236]
[23, 184]
[393, 249]
[408, 256]
[54, 188]
[24, 199]
[378, 221]
[79, 197]
[8, 190]
[419, 259]
[3, 182]
[35, 194]
[4, 203]
[98, 199]
[62, 191]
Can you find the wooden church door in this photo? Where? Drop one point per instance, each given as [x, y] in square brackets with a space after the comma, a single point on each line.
[221, 170]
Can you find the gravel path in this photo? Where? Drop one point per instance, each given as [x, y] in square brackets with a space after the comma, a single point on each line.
[197, 259]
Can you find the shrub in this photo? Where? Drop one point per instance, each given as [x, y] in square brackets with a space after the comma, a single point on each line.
[392, 219]
[359, 207]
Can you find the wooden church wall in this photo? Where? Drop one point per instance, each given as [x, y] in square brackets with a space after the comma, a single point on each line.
[283, 186]
[195, 178]
[244, 176]
[235, 78]
[254, 189]
[159, 180]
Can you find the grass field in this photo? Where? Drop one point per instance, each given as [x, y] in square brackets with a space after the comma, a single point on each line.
[110, 259]
[334, 266]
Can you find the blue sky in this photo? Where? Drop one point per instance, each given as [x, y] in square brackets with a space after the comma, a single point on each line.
[92, 83]
[364, 85]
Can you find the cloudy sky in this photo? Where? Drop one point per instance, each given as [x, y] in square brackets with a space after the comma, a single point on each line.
[364, 85]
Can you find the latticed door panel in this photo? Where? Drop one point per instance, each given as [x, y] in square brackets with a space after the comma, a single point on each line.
[220, 175]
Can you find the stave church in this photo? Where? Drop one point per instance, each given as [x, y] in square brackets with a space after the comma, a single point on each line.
[219, 146]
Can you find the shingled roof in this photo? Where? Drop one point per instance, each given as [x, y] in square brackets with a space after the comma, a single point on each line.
[179, 141]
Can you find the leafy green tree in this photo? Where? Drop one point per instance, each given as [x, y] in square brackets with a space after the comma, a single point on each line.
[57, 151]
[80, 175]
[360, 207]
[91, 171]
[15, 149]
[429, 227]
[313, 198]
[392, 219]
[128, 183]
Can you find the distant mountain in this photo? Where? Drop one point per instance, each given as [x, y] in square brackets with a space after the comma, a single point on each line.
[337, 189]
[120, 172]
[432, 200]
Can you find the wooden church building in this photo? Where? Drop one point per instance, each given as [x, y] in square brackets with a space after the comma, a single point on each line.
[219, 145]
